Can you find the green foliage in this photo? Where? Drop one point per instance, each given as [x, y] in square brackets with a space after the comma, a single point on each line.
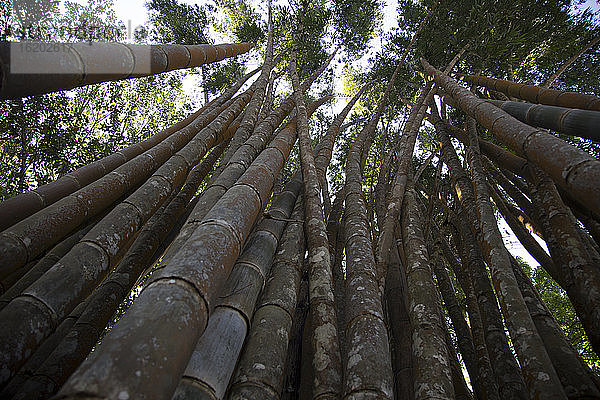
[174, 22]
[241, 23]
[223, 76]
[356, 22]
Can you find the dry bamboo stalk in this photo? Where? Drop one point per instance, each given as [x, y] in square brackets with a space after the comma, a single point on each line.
[573, 169]
[368, 365]
[213, 361]
[535, 94]
[570, 121]
[33, 315]
[72, 65]
[539, 374]
[17, 208]
[191, 282]
[433, 379]
[260, 371]
[30, 237]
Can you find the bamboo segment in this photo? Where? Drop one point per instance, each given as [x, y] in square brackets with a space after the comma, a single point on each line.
[190, 281]
[540, 377]
[214, 358]
[572, 168]
[23, 205]
[30, 237]
[570, 121]
[433, 377]
[575, 375]
[28, 71]
[507, 372]
[259, 373]
[34, 314]
[536, 94]
[326, 362]
[104, 301]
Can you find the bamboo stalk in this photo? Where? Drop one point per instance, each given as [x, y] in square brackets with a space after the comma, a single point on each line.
[535, 94]
[572, 168]
[433, 377]
[213, 361]
[21, 206]
[191, 281]
[260, 371]
[34, 314]
[570, 121]
[73, 65]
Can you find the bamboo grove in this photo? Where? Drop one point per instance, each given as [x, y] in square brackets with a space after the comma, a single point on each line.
[262, 283]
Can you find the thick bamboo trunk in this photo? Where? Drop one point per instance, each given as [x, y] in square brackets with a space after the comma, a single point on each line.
[104, 301]
[368, 369]
[535, 94]
[70, 65]
[213, 361]
[577, 272]
[327, 363]
[575, 375]
[191, 281]
[30, 237]
[23, 205]
[539, 374]
[260, 371]
[433, 379]
[570, 121]
[33, 315]
[573, 169]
